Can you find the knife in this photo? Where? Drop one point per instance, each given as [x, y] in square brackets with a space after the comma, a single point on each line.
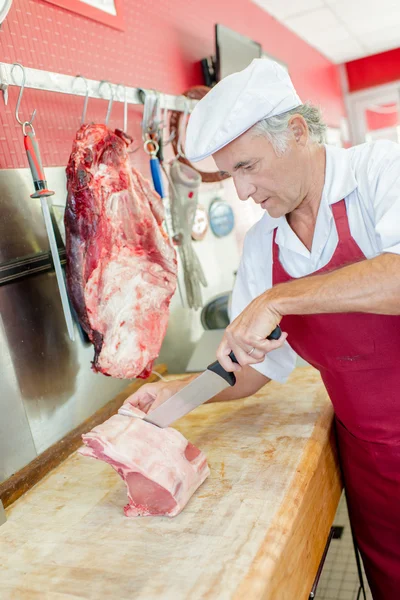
[205, 386]
[42, 192]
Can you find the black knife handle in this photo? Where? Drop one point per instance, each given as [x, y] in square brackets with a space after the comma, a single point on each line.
[230, 378]
[276, 334]
[218, 369]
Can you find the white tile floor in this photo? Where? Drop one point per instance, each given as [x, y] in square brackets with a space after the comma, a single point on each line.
[339, 578]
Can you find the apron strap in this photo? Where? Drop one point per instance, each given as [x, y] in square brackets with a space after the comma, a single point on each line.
[342, 223]
[342, 226]
[275, 248]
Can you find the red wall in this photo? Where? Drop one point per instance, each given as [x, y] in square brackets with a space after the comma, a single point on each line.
[380, 120]
[160, 48]
[373, 70]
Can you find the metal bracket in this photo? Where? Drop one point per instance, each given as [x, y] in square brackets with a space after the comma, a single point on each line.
[64, 84]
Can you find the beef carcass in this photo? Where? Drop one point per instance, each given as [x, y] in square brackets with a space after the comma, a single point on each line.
[121, 266]
[161, 469]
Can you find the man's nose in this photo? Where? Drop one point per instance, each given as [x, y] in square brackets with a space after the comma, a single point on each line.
[244, 189]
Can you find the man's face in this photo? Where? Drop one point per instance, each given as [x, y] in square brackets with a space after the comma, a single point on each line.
[277, 183]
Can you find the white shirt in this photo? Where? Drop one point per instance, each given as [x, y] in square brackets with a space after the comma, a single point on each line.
[368, 178]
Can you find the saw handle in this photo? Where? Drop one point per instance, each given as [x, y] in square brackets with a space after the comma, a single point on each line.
[35, 163]
[216, 368]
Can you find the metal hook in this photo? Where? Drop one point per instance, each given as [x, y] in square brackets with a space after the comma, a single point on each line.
[157, 110]
[155, 149]
[21, 91]
[151, 122]
[165, 122]
[110, 103]
[147, 97]
[83, 117]
[125, 106]
[165, 114]
[4, 84]
[182, 128]
[142, 97]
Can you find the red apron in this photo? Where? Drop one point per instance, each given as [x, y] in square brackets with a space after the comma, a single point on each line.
[358, 356]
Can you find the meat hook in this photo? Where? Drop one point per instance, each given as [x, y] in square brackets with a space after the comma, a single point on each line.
[83, 117]
[21, 91]
[110, 103]
[125, 106]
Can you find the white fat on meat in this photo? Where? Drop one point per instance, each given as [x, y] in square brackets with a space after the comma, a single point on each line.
[127, 300]
[160, 468]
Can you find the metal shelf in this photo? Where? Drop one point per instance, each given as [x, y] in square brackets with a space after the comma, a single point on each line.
[67, 84]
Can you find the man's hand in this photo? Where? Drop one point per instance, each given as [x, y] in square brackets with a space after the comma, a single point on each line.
[250, 330]
[151, 395]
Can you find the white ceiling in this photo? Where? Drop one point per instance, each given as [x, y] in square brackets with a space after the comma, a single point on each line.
[342, 30]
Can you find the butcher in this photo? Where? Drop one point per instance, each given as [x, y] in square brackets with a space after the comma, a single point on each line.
[322, 262]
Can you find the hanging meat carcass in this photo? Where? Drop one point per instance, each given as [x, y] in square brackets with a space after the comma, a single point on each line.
[121, 266]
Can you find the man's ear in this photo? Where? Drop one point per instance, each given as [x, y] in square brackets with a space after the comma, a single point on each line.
[299, 129]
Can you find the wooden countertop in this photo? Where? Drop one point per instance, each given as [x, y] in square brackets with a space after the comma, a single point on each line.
[256, 528]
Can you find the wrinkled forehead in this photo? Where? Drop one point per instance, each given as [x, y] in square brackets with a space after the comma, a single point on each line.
[244, 150]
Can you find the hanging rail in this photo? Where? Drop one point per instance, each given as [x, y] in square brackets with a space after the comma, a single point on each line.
[66, 84]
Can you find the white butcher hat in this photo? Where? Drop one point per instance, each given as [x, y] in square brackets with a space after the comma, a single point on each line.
[264, 89]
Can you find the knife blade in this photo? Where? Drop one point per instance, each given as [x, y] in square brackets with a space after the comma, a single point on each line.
[58, 269]
[213, 381]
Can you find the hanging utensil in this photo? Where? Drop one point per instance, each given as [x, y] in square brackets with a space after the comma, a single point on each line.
[42, 192]
[183, 193]
[151, 134]
[151, 148]
[164, 125]
[158, 123]
[151, 130]
[151, 113]
[182, 128]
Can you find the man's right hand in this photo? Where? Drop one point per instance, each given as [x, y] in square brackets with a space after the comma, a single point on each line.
[151, 395]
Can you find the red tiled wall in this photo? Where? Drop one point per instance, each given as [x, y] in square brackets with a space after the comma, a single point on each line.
[160, 48]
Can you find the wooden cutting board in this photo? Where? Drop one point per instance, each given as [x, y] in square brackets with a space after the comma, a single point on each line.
[256, 528]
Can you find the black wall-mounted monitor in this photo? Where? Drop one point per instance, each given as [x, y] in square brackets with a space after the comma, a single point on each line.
[234, 52]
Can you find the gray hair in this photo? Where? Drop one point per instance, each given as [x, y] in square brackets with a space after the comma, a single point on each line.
[277, 130]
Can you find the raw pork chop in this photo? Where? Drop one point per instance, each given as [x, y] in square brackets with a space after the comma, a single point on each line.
[121, 267]
[160, 467]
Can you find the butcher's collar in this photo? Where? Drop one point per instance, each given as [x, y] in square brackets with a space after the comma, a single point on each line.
[340, 181]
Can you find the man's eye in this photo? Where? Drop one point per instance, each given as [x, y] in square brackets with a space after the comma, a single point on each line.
[249, 168]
